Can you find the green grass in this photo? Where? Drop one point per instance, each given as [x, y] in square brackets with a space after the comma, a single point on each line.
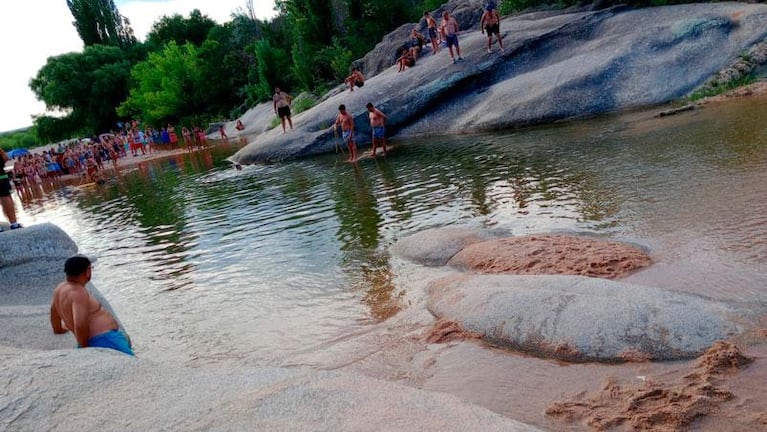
[720, 89]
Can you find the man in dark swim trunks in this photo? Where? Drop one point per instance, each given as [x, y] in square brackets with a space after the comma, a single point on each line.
[74, 309]
[449, 29]
[355, 79]
[282, 107]
[431, 24]
[490, 24]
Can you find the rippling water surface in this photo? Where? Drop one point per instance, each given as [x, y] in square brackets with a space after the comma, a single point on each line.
[208, 264]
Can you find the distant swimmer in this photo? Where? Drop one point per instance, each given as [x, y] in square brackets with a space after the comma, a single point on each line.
[74, 309]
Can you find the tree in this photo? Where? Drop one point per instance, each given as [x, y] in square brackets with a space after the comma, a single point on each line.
[87, 86]
[98, 22]
[181, 30]
[164, 85]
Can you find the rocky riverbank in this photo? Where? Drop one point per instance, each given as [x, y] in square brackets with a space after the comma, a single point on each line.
[556, 66]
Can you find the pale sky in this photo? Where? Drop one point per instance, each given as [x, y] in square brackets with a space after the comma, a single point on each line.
[33, 30]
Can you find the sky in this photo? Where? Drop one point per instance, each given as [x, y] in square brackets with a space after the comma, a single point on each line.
[33, 30]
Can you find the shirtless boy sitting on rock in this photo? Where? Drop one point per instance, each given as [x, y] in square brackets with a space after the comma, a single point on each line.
[75, 309]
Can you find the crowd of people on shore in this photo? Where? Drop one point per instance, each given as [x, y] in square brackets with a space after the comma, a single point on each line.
[86, 160]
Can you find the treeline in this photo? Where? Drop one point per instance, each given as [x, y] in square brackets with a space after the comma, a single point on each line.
[191, 69]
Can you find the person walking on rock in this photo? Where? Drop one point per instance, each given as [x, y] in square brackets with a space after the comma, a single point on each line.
[346, 121]
[378, 126]
[74, 309]
[490, 24]
[449, 29]
[282, 107]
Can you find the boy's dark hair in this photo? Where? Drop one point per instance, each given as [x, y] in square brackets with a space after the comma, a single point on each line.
[76, 265]
[369, 105]
[342, 107]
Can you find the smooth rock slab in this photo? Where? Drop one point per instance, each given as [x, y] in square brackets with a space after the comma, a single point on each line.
[434, 247]
[580, 319]
[101, 390]
[31, 265]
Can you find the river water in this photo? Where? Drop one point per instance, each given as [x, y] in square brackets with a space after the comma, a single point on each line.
[208, 265]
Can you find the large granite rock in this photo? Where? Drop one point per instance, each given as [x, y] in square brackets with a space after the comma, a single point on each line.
[554, 67]
[77, 390]
[31, 265]
[579, 318]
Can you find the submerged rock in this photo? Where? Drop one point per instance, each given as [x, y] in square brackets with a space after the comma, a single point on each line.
[554, 67]
[579, 318]
[434, 247]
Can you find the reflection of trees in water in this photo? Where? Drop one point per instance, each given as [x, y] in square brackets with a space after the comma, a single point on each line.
[492, 176]
[359, 233]
[149, 200]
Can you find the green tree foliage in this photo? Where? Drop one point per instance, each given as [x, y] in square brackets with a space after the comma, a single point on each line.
[224, 55]
[26, 138]
[181, 30]
[98, 22]
[271, 62]
[192, 67]
[87, 86]
[165, 85]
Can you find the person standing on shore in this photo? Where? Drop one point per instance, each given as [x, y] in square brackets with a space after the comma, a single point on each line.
[431, 25]
[281, 102]
[6, 201]
[490, 24]
[449, 30]
[346, 121]
[74, 309]
[378, 126]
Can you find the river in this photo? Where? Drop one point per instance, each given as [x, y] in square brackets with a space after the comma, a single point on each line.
[289, 264]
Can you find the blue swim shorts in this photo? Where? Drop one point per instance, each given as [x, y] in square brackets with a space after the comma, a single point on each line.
[379, 132]
[347, 136]
[113, 339]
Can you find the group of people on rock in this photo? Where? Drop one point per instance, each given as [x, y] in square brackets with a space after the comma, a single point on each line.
[447, 33]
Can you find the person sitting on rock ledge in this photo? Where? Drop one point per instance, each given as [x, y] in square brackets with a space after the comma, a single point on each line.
[355, 79]
[74, 309]
[406, 60]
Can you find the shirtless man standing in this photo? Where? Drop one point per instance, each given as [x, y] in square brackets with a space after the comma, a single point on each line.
[431, 24]
[75, 309]
[449, 29]
[490, 23]
[377, 124]
[347, 131]
[281, 102]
